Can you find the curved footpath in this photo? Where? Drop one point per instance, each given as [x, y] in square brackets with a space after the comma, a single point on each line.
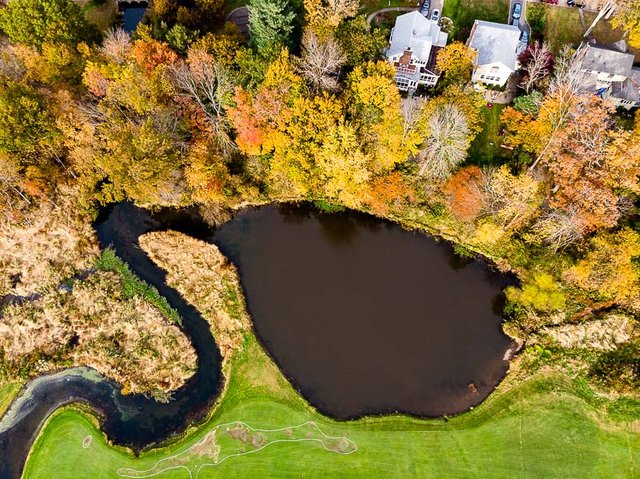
[373, 15]
[132, 420]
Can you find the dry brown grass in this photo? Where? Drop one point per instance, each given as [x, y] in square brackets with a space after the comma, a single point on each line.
[50, 244]
[206, 279]
[126, 339]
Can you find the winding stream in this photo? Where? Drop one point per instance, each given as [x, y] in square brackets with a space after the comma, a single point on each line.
[362, 316]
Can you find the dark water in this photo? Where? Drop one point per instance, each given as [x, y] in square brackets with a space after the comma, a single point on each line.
[365, 317]
[132, 16]
[362, 316]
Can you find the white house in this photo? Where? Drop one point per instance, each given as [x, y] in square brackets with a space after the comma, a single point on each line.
[496, 46]
[413, 47]
[610, 74]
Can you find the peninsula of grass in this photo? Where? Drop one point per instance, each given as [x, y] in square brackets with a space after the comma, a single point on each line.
[134, 286]
[545, 427]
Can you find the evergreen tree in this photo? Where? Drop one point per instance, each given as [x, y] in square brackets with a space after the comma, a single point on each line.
[270, 22]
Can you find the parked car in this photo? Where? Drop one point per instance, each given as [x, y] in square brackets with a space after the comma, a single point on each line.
[524, 38]
[571, 3]
[515, 22]
[517, 10]
[425, 7]
[435, 16]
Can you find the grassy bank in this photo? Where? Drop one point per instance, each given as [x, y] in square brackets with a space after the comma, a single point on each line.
[545, 427]
[8, 393]
[133, 286]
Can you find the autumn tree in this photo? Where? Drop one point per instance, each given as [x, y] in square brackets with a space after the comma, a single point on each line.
[464, 193]
[224, 46]
[329, 13]
[34, 22]
[536, 63]
[610, 267]
[455, 62]
[359, 42]
[389, 191]
[511, 200]
[373, 105]
[26, 127]
[270, 22]
[588, 166]
[540, 293]
[627, 17]
[321, 61]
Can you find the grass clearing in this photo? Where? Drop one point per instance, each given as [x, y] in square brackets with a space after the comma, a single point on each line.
[544, 427]
[465, 12]
[485, 149]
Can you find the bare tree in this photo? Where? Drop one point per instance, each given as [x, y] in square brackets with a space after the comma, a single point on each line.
[537, 62]
[116, 45]
[210, 86]
[321, 61]
[447, 143]
[560, 228]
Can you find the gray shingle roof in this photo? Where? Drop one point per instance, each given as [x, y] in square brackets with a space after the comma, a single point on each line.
[495, 42]
[607, 60]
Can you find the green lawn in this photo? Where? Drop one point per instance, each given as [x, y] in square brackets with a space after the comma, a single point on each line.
[8, 393]
[485, 149]
[465, 12]
[542, 428]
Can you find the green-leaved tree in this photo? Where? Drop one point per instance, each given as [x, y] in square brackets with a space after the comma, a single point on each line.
[34, 22]
[270, 22]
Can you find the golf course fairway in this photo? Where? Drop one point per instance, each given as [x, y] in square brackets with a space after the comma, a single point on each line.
[544, 427]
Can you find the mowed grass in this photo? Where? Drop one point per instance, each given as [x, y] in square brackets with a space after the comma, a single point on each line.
[544, 428]
[8, 392]
[465, 12]
[485, 149]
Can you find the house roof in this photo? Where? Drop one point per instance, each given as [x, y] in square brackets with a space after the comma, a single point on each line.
[609, 60]
[412, 30]
[495, 42]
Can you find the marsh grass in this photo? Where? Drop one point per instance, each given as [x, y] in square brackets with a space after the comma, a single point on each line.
[133, 286]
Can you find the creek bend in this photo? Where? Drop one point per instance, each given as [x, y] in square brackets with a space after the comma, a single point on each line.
[362, 316]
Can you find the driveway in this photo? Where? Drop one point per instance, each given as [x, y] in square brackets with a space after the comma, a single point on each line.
[240, 16]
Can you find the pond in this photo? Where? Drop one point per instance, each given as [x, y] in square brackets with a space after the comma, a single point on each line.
[362, 316]
[365, 317]
[132, 15]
